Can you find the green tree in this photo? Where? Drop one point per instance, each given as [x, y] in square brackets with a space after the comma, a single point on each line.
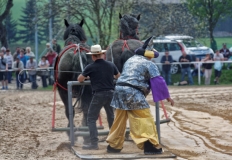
[210, 11]
[44, 18]
[27, 22]
[11, 29]
[101, 17]
[166, 18]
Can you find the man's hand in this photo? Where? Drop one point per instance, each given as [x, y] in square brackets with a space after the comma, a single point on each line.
[81, 78]
[116, 76]
[171, 101]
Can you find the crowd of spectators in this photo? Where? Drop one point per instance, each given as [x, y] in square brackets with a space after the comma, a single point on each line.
[24, 59]
[23, 65]
[206, 65]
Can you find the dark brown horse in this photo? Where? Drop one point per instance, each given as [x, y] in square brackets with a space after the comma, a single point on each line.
[122, 49]
[69, 64]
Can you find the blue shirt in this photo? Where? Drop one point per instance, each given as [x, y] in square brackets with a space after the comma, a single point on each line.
[24, 60]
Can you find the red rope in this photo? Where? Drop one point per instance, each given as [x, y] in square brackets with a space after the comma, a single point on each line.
[54, 106]
[58, 60]
[124, 43]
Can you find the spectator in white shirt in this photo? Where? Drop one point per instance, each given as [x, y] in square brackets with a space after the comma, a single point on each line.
[218, 57]
[43, 63]
[31, 65]
[18, 67]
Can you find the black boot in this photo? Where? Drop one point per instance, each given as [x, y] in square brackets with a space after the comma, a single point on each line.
[150, 149]
[90, 147]
[86, 140]
[112, 150]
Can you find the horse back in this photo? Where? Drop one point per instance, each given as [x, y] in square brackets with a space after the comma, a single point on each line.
[121, 50]
[67, 65]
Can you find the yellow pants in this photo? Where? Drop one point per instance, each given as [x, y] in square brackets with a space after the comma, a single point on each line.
[142, 128]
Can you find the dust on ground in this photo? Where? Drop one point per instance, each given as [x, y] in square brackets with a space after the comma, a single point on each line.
[201, 124]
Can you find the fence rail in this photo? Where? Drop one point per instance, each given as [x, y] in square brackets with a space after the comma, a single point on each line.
[158, 64]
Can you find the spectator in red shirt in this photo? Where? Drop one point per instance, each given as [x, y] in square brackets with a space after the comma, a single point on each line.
[51, 56]
[225, 51]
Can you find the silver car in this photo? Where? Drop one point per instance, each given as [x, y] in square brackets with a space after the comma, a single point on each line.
[175, 49]
[192, 45]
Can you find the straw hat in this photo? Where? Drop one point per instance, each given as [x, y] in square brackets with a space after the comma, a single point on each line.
[3, 48]
[96, 49]
[31, 55]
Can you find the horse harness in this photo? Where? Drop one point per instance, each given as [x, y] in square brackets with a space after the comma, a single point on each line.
[125, 45]
[77, 48]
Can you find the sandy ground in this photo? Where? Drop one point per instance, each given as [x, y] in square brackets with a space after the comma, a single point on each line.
[200, 129]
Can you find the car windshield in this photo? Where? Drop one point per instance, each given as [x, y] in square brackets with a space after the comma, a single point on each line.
[191, 43]
[161, 46]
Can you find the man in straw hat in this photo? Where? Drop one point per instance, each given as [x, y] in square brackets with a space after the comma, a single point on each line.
[139, 75]
[101, 74]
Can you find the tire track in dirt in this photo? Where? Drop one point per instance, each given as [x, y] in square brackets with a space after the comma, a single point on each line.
[204, 137]
[205, 101]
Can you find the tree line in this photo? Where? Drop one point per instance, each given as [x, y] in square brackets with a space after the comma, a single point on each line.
[193, 17]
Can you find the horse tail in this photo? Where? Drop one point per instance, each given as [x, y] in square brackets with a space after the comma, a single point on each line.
[126, 54]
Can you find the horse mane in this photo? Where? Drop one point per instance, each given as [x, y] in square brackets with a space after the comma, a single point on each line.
[71, 40]
[129, 27]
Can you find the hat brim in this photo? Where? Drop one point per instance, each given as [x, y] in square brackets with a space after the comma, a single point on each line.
[91, 53]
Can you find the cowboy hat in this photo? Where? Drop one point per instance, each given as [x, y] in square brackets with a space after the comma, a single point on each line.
[96, 49]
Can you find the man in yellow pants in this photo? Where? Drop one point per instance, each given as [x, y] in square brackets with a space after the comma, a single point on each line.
[139, 75]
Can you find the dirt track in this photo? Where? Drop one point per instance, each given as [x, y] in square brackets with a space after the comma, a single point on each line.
[200, 129]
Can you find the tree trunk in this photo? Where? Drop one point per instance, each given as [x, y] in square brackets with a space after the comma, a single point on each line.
[213, 43]
[3, 36]
[3, 33]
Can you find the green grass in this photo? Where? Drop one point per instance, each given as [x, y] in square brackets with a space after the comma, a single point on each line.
[49, 88]
[219, 40]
